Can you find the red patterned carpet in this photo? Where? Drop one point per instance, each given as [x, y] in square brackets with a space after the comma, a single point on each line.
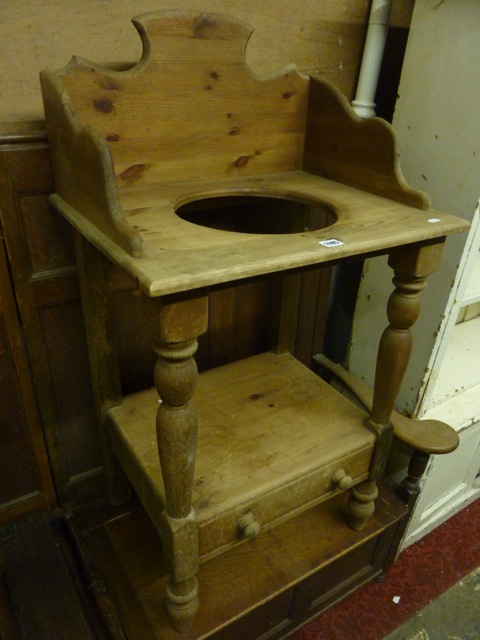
[422, 573]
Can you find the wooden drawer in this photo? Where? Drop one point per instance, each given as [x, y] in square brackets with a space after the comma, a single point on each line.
[269, 509]
[331, 583]
[265, 621]
[271, 436]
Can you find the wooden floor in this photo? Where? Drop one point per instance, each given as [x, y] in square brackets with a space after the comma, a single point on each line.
[265, 587]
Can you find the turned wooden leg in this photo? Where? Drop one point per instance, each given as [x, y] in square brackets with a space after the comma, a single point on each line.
[175, 379]
[361, 504]
[176, 321]
[410, 486]
[412, 265]
[408, 491]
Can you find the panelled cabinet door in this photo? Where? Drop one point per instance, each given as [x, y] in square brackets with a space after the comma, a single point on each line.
[44, 281]
[25, 481]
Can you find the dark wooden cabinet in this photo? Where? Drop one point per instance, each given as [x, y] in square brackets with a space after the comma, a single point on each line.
[43, 277]
[25, 482]
[24, 472]
[319, 561]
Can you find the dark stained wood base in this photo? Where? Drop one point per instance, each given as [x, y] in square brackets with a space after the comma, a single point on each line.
[105, 565]
[265, 587]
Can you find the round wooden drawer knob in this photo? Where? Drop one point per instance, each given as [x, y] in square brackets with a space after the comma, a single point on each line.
[248, 525]
[341, 479]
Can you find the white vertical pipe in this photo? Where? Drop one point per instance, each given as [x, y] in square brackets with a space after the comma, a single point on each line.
[364, 105]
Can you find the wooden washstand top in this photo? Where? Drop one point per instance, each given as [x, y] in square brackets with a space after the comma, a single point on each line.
[179, 255]
[191, 122]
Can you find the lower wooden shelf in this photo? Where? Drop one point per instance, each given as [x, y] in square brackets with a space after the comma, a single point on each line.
[271, 436]
[264, 588]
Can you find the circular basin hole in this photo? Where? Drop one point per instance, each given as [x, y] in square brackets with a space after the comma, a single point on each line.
[258, 214]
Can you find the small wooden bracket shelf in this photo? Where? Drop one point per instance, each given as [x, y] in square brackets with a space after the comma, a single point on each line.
[428, 436]
[187, 171]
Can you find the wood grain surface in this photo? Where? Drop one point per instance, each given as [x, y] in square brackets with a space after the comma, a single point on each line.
[271, 435]
[179, 255]
[323, 36]
[192, 122]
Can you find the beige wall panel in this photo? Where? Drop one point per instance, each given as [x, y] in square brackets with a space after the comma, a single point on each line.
[438, 127]
[317, 35]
